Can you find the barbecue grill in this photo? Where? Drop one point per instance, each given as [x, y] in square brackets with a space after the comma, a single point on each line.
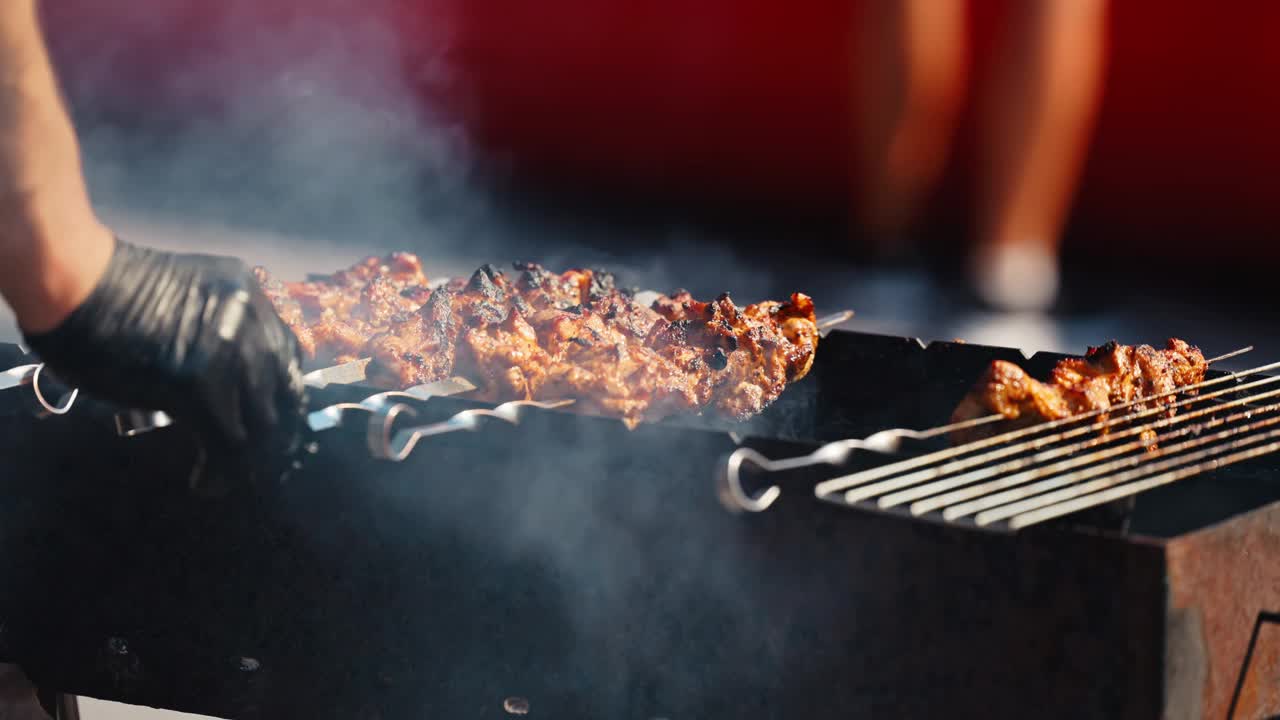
[536, 560]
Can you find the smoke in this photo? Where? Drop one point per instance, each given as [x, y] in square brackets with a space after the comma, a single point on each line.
[332, 129]
[315, 125]
[313, 147]
[661, 595]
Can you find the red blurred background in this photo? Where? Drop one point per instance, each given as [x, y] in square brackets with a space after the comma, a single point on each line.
[752, 102]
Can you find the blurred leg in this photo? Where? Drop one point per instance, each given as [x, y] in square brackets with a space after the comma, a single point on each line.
[911, 76]
[1038, 117]
[17, 696]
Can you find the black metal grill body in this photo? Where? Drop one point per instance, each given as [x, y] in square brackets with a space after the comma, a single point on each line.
[592, 571]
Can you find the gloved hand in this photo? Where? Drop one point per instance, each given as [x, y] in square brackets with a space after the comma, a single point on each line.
[192, 335]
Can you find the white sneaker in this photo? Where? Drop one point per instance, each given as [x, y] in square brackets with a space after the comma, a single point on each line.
[1021, 277]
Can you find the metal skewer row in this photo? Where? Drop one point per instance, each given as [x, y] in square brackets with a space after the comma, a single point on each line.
[24, 375]
[949, 487]
[1045, 428]
[383, 408]
[388, 444]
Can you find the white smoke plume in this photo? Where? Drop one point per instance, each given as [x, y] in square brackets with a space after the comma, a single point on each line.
[322, 150]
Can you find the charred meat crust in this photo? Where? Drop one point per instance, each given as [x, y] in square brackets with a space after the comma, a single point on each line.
[1108, 375]
[573, 335]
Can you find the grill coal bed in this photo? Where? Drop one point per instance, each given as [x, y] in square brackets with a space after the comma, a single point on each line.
[592, 572]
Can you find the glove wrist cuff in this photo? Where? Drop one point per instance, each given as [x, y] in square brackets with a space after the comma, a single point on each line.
[58, 346]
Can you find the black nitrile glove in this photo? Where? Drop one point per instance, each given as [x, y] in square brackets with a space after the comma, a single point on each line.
[192, 335]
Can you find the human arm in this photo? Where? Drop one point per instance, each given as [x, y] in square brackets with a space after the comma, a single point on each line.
[188, 334]
[53, 248]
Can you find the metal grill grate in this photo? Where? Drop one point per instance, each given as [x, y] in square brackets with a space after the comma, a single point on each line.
[1016, 479]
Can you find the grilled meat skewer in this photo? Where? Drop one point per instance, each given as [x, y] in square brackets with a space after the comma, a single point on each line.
[547, 336]
[1109, 375]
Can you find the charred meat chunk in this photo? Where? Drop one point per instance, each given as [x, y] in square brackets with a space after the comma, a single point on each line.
[1137, 377]
[573, 335]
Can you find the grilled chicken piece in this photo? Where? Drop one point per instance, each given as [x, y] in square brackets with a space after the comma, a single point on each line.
[334, 317]
[541, 335]
[750, 349]
[289, 310]
[1106, 376]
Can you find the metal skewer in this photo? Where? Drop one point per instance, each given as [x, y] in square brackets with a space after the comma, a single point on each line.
[396, 446]
[1107, 496]
[977, 422]
[850, 481]
[1033, 496]
[1049, 476]
[332, 416]
[130, 423]
[987, 420]
[1039, 429]
[736, 498]
[1225, 356]
[347, 373]
[17, 376]
[934, 503]
[988, 509]
[30, 375]
[1037, 509]
[830, 322]
[972, 491]
[1008, 450]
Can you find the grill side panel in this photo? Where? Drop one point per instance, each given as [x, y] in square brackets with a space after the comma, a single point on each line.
[1228, 579]
[567, 561]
